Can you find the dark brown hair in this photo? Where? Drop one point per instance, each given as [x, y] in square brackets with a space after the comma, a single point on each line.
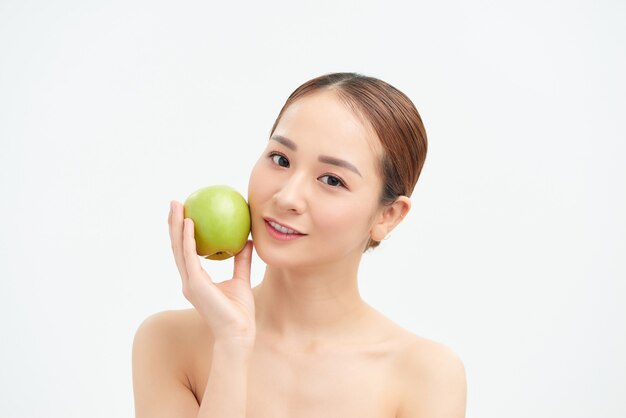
[394, 119]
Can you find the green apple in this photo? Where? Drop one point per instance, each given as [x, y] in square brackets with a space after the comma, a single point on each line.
[221, 218]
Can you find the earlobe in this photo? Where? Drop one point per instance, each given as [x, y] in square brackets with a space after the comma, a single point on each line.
[378, 233]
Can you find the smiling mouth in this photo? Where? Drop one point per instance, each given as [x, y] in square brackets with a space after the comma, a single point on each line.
[280, 231]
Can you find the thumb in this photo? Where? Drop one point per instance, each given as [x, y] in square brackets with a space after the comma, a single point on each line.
[243, 260]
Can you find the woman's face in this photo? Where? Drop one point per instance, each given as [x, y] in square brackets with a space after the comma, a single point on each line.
[319, 177]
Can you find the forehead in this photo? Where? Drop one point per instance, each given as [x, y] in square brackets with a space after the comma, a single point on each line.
[322, 121]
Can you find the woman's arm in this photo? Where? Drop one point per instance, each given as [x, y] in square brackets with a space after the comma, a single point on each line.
[226, 389]
[160, 383]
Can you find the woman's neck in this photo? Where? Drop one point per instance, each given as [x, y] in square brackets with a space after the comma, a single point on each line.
[310, 306]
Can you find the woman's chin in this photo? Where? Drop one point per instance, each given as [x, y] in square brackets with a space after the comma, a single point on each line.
[278, 257]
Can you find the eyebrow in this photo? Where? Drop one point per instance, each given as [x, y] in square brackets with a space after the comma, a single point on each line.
[322, 158]
[338, 162]
[285, 141]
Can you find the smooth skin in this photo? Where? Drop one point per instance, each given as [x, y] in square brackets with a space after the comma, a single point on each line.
[302, 343]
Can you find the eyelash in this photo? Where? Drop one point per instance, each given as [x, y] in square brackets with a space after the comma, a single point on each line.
[273, 154]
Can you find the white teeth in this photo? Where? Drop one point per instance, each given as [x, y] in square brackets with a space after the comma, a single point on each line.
[282, 228]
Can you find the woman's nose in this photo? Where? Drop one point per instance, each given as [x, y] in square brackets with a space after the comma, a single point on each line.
[291, 196]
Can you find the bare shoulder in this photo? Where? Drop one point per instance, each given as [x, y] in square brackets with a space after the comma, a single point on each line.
[162, 348]
[432, 378]
[172, 330]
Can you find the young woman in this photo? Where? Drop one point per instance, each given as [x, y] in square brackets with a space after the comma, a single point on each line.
[341, 162]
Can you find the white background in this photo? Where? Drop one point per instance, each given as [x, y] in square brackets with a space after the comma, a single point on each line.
[514, 252]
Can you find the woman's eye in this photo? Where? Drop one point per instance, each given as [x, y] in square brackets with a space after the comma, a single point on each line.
[280, 160]
[332, 180]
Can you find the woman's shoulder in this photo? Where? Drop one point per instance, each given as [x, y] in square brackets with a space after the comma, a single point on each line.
[430, 359]
[430, 375]
[173, 333]
[175, 326]
[162, 354]
[409, 346]
[432, 378]
[422, 352]
[171, 319]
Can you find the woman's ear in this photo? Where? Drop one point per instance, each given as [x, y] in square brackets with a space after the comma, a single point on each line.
[389, 217]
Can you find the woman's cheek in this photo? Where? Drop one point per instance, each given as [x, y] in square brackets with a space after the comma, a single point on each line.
[335, 215]
[255, 184]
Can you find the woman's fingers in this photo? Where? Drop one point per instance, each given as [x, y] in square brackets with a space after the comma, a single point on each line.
[176, 237]
[243, 260]
[192, 261]
[228, 307]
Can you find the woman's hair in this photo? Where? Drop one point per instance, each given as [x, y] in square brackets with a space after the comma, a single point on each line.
[394, 119]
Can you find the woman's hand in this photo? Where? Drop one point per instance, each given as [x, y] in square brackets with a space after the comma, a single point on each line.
[227, 307]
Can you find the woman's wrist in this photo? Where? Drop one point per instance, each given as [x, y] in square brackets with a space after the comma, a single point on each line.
[226, 390]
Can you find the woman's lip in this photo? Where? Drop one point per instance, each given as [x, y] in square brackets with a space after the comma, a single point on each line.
[279, 235]
[283, 225]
